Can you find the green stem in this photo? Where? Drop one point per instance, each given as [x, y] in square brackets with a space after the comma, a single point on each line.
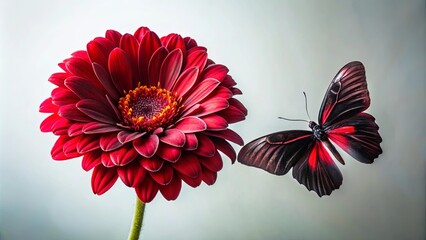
[135, 231]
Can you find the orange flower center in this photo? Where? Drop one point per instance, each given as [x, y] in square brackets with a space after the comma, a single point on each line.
[147, 108]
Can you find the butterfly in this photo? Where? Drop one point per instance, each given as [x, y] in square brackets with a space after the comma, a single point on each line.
[342, 120]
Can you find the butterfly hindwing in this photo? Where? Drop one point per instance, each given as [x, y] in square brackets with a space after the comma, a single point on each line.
[276, 152]
[358, 136]
[346, 96]
[317, 170]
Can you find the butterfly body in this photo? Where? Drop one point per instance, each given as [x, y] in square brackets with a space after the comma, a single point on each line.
[319, 133]
[341, 120]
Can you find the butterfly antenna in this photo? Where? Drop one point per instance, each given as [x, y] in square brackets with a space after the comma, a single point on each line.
[295, 120]
[300, 120]
[306, 105]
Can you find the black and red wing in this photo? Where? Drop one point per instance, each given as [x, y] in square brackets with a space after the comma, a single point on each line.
[358, 136]
[341, 114]
[317, 170]
[276, 152]
[346, 96]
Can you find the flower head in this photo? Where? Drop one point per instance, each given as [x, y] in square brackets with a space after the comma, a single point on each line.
[151, 111]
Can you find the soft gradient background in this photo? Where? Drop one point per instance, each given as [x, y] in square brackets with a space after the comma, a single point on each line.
[275, 50]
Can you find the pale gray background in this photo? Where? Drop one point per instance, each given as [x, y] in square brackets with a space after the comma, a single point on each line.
[275, 50]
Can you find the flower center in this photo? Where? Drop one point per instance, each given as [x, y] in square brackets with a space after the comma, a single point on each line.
[147, 108]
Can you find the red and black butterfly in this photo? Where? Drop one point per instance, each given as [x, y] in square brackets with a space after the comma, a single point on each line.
[341, 120]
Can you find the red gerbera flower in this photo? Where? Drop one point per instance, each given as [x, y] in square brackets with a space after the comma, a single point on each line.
[151, 111]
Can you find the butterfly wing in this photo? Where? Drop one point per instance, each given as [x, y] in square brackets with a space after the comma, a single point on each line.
[317, 170]
[358, 136]
[276, 152]
[341, 114]
[346, 96]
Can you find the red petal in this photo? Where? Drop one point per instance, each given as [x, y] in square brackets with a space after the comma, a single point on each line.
[140, 33]
[228, 82]
[234, 102]
[154, 66]
[123, 155]
[120, 69]
[61, 126]
[195, 48]
[57, 151]
[98, 53]
[164, 176]
[185, 81]
[95, 127]
[62, 96]
[62, 66]
[174, 42]
[190, 125]
[165, 39]
[81, 54]
[91, 160]
[205, 148]
[149, 44]
[109, 142]
[214, 163]
[152, 164]
[75, 129]
[232, 114]
[190, 43]
[114, 36]
[201, 91]
[97, 111]
[170, 69]
[173, 137]
[216, 71]
[168, 152]
[132, 174]
[88, 143]
[103, 179]
[225, 147]
[171, 191]
[191, 142]
[131, 46]
[81, 68]
[71, 112]
[85, 89]
[147, 191]
[209, 177]
[221, 92]
[190, 111]
[196, 59]
[125, 136]
[58, 78]
[227, 134]
[147, 146]
[113, 107]
[193, 182]
[106, 160]
[188, 165]
[106, 81]
[236, 91]
[211, 106]
[46, 125]
[215, 122]
[47, 106]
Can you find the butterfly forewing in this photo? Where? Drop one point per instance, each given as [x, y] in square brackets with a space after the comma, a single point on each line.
[277, 152]
[346, 96]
